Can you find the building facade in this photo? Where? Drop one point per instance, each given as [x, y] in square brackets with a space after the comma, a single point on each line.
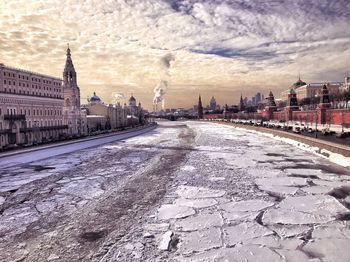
[31, 107]
[112, 116]
[311, 90]
[36, 108]
[101, 116]
[212, 104]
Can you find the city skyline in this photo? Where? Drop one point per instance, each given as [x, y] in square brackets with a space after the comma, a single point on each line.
[221, 48]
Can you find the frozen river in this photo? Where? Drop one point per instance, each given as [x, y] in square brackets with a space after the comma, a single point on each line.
[184, 192]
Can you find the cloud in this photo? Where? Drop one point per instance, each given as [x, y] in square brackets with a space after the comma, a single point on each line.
[220, 45]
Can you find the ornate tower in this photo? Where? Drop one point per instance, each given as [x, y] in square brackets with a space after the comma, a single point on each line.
[271, 106]
[324, 104]
[70, 86]
[292, 104]
[200, 108]
[71, 94]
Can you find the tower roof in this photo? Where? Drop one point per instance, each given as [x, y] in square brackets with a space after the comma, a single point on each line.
[69, 67]
[299, 83]
[132, 98]
[95, 98]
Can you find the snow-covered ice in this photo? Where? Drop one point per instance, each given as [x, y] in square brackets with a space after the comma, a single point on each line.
[165, 241]
[174, 211]
[256, 199]
[238, 196]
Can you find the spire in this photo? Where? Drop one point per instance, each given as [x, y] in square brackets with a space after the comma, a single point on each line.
[200, 107]
[68, 49]
[69, 74]
[241, 106]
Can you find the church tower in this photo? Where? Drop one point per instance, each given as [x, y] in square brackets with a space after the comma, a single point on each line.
[71, 94]
[70, 86]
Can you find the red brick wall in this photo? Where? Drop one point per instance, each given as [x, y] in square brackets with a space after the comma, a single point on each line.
[335, 116]
[279, 116]
[212, 116]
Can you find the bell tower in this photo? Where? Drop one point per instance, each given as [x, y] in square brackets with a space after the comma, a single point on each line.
[69, 74]
[71, 94]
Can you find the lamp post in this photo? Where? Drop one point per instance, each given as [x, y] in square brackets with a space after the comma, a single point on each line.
[36, 131]
[316, 123]
[342, 121]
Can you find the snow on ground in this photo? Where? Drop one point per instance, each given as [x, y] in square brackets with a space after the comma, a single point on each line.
[245, 197]
[333, 157]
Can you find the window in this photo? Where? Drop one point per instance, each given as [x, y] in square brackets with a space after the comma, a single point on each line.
[5, 81]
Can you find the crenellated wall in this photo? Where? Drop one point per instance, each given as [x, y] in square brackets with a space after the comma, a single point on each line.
[322, 116]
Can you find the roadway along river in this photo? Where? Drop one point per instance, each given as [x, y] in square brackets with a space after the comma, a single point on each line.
[186, 191]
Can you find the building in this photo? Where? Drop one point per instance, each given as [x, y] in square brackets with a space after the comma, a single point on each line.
[241, 106]
[36, 108]
[31, 107]
[212, 105]
[101, 116]
[200, 108]
[257, 98]
[311, 90]
[346, 85]
[71, 93]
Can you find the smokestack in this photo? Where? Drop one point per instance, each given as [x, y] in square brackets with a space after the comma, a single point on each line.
[163, 104]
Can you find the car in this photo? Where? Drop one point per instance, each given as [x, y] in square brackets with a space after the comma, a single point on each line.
[296, 129]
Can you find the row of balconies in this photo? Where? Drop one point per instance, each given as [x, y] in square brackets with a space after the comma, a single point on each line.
[51, 96]
[14, 117]
[42, 128]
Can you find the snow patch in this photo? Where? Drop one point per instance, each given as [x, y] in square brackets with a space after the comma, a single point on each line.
[198, 192]
[188, 168]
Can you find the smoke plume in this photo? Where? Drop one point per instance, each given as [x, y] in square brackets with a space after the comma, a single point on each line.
[118, 97]
[161, 88]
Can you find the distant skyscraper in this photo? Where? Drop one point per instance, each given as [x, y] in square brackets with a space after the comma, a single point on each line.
[241, 104]
[200, 108]
[258, 98]
[253, 101]
[213, 104]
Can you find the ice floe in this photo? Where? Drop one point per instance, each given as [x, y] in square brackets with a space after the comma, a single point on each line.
[166, 212]
[196, 203]
[244, 231]
[201, 240]
[199, 222]
[199, 192]
[246, 205]
[305, 210]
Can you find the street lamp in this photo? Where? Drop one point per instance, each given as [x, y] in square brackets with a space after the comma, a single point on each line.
[342, 121]
[316, 123]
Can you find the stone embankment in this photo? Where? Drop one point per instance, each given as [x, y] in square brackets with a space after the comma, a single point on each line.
[314, 142]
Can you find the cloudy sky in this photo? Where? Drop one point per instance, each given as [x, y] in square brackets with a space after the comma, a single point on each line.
[212, 47]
